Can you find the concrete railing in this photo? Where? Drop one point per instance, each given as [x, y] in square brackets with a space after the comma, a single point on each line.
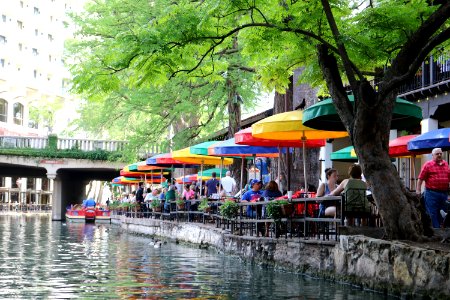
[21, 142]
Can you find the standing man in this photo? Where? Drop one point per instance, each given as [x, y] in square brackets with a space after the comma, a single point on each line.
[436, 175]
[140, 195]
[228, 184]
[211, 185]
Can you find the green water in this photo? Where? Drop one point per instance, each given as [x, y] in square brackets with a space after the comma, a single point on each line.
[41, 259]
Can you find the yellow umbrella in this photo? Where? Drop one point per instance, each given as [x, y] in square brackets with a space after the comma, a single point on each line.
[289, 126]
[184, 155]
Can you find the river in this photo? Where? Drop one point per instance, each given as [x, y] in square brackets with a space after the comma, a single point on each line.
[41, 259]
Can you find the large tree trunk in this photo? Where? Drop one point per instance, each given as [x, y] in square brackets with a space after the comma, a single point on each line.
[368, 124]
[400, 210]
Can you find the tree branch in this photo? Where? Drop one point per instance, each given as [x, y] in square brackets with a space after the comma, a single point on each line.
[330, 70]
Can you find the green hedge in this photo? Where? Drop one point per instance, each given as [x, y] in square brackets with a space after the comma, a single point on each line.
[68, 153]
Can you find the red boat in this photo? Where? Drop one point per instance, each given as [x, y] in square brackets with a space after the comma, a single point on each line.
[77, 213]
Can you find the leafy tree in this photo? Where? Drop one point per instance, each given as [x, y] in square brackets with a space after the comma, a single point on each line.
[144, 100]
[339, 42]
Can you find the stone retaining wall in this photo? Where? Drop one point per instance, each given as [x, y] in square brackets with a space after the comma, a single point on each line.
[391, 267]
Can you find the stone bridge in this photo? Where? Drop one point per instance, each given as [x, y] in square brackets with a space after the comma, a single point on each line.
[70, 176]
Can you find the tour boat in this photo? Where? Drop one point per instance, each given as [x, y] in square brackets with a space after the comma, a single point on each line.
[87, 214]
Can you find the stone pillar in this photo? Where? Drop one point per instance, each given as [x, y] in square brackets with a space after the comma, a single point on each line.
[325, 154]
[57, 195]
[426, 126]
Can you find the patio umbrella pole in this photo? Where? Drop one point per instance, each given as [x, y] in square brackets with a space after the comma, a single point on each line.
[242, 172]
[304, 161]
[220, 176]
[279, 163]
[201, 178]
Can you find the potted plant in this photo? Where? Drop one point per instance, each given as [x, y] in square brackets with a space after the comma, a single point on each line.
[156, 205]
[204, 206]
[273, 210]
[277, 209]
[180, 204]
[229, 209]
[286, 208]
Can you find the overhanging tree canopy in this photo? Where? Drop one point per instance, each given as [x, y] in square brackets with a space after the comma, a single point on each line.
[338, 42]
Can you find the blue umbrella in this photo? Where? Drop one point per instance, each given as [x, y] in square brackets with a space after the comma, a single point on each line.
[230, 148]
[439, 138]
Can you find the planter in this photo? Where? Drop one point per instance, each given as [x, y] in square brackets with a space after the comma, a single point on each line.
[181, 206]
[156, 209]
[287, 210]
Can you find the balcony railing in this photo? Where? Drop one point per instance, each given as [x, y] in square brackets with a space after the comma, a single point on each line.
[432, 78]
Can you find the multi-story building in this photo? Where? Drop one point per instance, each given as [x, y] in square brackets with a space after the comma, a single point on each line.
[32, 72]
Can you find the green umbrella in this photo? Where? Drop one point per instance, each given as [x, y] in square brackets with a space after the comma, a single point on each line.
[346, 154]
[323, 115]
[208, 173]
[202, 148]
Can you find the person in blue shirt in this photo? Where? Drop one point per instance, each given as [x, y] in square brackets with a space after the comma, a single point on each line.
[252, 195]
[89, 203]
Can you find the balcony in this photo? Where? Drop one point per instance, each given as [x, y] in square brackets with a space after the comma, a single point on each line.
[431, 79]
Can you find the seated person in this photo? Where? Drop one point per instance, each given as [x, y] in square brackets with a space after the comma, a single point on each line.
[325, 189]
[252, 195]
[351, 187]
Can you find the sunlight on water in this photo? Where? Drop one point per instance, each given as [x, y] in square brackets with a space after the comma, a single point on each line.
[54, 260]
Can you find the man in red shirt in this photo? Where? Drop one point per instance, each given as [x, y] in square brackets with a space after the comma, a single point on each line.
[436, 175]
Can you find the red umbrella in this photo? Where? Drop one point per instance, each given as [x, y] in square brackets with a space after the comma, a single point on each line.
[398, 147]
[244, 137]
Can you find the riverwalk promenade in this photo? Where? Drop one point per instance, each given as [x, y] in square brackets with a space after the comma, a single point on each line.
[391, 267]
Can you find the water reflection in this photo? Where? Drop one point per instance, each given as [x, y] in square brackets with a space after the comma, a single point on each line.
[45, 259]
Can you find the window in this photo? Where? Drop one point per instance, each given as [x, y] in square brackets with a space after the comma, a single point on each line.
[2, 62]
[2, 39]
[35, 52]
[18, 113]
[36, 32]
[3, 110]
[21, 4]
[20, 46]
[49, 58]
[50, 38]
[20, 25]
[34, 73]
[36, 11]
[3, 18]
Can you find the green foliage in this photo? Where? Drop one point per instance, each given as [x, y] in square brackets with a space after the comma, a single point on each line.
[180, 202]
[155, 203]
[273, 209]
[52, 141]
[229, 209]
[141, 86]
[67, 153]
[203, 206]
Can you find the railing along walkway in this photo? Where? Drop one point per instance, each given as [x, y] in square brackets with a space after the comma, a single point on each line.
[301, 222]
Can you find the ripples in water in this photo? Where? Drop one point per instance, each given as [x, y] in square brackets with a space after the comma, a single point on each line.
[54, 260]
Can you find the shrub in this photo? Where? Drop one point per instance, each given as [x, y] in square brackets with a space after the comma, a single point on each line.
[229, 209]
